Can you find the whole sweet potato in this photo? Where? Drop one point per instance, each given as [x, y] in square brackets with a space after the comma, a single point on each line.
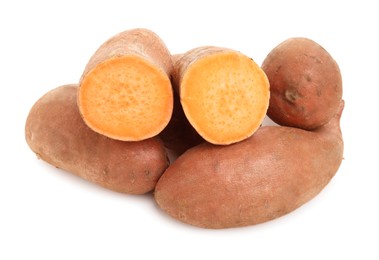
[58, 135]
[270, 174]
[305, 84]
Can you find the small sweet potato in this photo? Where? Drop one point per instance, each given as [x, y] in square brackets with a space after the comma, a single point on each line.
[305, 83]
[58, 135]
[270, 174]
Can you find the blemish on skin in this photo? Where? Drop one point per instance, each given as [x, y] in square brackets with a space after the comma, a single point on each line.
[308, 78]
[182, 216]
[132, 177]
[291, 95]
[313, 57]
[105, 174]
[148, 174]
[318, 92]
[182, 211]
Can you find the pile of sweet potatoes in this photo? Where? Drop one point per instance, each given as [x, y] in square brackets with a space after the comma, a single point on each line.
[135, 103]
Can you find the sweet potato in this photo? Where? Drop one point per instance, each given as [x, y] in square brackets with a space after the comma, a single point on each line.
[125, 91]
[305, 83]
[224, 94]
[56, 132]
[270, 174]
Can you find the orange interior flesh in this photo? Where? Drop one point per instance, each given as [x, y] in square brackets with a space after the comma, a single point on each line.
[126, 98]
[225, 97]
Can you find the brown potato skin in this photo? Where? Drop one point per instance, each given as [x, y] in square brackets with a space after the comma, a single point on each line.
[270, 174]
[139, 41]
[305, 84]
[58, 135]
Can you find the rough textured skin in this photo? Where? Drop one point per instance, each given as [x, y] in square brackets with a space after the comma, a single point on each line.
[270, 174]
[56, 132]
[305, 83]
[179, 135]
[139, 41]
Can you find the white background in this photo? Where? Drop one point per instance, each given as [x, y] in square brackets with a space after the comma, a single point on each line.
[46, 213]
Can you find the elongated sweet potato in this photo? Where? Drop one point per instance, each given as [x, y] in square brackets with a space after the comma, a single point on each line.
[125, 91]
[305, 84]
[56, 132]
[272, 173]
[224, 94]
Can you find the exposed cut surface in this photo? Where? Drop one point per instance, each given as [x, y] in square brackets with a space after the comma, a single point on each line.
[126, 98]
[225, 96]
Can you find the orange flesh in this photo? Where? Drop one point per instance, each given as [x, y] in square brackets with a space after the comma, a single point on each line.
[225, 96]
[126, 98]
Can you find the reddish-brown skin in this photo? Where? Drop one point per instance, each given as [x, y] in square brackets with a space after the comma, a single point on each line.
[305, 84]
[58, 135]
[141, 42]
[270, 174]
[179, 135]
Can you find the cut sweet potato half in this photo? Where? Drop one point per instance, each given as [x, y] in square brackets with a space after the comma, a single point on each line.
[125, 92]
[224, 94]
